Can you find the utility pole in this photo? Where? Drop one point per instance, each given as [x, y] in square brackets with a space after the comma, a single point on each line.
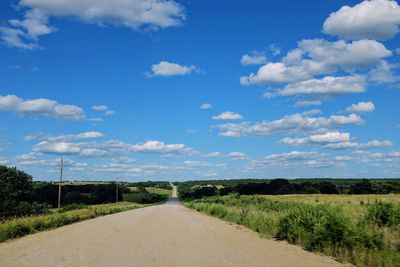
[59, 183]
[116, 192]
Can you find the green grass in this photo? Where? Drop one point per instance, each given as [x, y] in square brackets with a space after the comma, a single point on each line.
[18, 227]
[363, 230]
[159, 191]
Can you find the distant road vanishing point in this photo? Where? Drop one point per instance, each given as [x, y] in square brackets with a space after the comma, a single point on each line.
[164, 235]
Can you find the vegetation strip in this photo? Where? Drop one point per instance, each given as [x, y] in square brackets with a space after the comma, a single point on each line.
[19, 227]
[367, 238]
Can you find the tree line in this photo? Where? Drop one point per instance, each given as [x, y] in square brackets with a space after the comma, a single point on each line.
[198, 189]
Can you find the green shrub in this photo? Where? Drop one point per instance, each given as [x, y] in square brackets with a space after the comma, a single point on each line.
[383, 213]
[72, 207]
[318, 227]
[27, 225]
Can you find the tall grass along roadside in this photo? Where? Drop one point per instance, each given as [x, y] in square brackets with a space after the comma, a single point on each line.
[368, 237]
[56, 218]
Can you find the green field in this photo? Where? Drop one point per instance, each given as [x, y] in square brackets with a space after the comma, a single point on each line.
[159, 191]
[146, 195]
[360, 229]
[18, 227]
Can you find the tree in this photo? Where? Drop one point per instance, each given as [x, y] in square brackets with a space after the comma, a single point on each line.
[16, 194]
[15, 185]
[362, 187]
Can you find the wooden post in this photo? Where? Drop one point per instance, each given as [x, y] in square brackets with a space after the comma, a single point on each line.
[59, 183]
[116, 192]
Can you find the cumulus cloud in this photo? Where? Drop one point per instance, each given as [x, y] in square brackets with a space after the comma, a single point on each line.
[355, 145]
[311, 112]
[206, 106]
[24, 33]
[165, 68]
[80, 136]
[327, 86]
[295, 123]
[228, 115]
[307, 103]
[214, 154]
[383, 73]
[253, 59]
[329, 137]
[155, 146]
[297, 159]
[135, 14]
[40, 107]
[293, 155]
[58, 148]
[237, 155]
[103, 108]
[317, 56]
[375, 19]
[361, 107]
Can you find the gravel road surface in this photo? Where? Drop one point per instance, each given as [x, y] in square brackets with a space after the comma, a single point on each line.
[164, 235]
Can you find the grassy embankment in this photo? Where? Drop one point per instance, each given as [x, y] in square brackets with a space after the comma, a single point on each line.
[18, 227]
[360, 229]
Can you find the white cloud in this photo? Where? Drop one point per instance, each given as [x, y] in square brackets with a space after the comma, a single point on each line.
[355, 145]
[307, 103]
[165, 68]
[135, 14]
[317, 56]
[206, 106]
[275, 73]
[58, 148]
[293, 155]
[93, 152]
[383, 73]
[295, 123]
[40, 107]
[253, 59]
[375, 19]
[80, 136]
[237, 155]
[361, 107]
[214, 154]
[327, 86]
[228, 115]
[329, 137]
[296, 159]
[377, 143]
[100, 108]
[24, 33]
[103, 108]
[311, 112]
[155, 146]
[343, 158]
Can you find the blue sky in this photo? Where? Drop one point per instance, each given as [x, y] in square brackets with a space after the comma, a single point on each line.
[154, 89]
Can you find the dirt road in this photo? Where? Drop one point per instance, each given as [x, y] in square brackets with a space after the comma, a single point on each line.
[165, 235]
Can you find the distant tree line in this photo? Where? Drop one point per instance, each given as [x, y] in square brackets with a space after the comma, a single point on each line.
[19, 196]
[89, 194]
[197, 189]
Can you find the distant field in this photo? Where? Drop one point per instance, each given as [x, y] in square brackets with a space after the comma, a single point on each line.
[360, 229]
[159, 191]
[140, 194]
[356, 205]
